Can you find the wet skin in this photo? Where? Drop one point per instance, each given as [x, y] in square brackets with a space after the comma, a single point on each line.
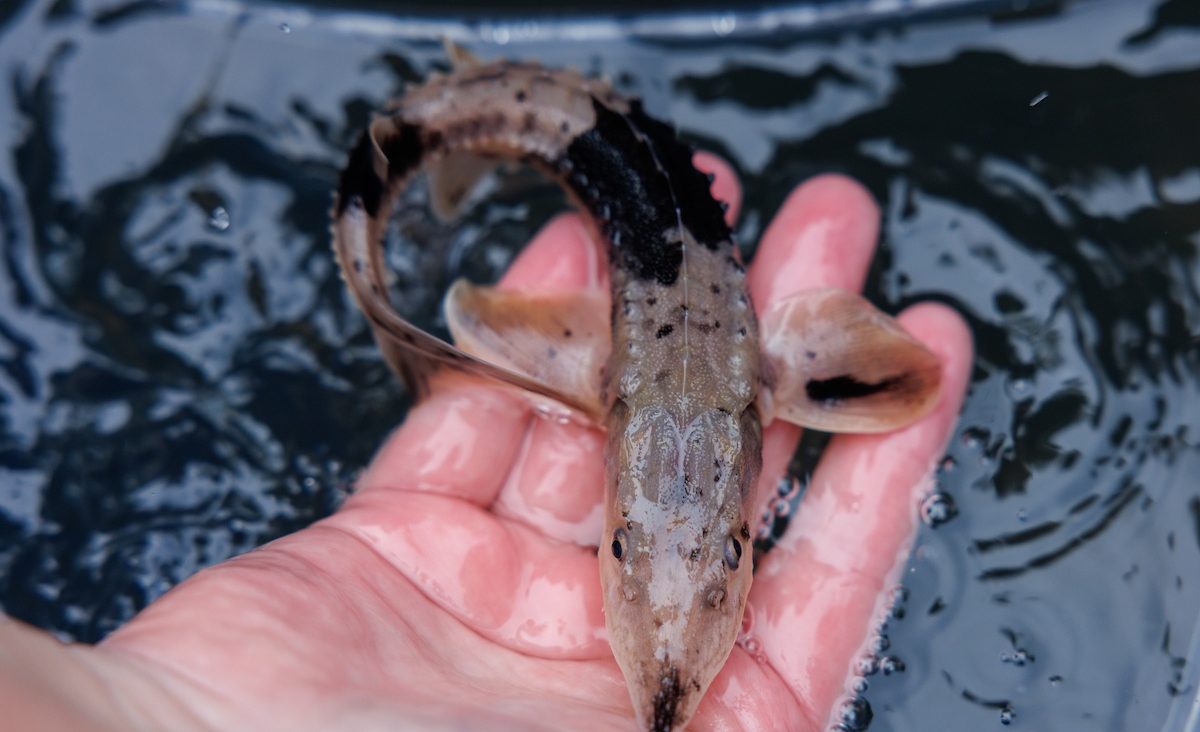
[452, 586]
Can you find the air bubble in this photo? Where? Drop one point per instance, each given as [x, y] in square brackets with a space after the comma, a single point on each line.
[1022, 515]
[783, 508]
[285, 28]
[218, 219]
[937, 509]
[855, 715]
[891, 665]
[867, 665]
[973, 438]
[724, 25]
[1019, 657]
[899, 597]
[947, 465]
[880, 643]
[1007, 715]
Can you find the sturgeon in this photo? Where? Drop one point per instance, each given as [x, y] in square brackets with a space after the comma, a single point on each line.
[673, 363]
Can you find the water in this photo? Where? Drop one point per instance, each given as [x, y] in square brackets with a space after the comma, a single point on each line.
[182, 376]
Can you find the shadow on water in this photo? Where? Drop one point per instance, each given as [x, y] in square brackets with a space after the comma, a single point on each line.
[183, 378]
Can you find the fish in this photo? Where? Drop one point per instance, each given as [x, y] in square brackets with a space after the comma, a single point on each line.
[674, 364]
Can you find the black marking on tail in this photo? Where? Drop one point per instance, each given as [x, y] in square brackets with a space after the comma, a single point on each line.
[359, 179]
[666, 701]
[842, 388]
[403, 151]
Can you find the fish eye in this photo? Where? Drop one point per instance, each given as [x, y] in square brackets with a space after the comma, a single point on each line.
[733, 552]
[618, 544]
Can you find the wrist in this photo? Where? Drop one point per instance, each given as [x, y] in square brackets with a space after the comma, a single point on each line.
[47, 684]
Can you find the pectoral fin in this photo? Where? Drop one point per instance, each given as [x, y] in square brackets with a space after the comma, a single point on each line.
[410, 351]
[837, 364]
[558, 339]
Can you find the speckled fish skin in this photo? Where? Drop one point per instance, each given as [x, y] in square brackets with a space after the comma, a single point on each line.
[684, 444]
[684, 431]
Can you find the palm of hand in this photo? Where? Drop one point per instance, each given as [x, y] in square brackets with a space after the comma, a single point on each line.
[455, 590]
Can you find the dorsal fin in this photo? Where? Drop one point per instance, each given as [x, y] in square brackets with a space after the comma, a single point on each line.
[460, 57]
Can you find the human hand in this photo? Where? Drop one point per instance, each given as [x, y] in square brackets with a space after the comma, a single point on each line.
[457, 588]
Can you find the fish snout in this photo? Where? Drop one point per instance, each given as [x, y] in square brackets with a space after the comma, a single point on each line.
[668, 698]
[671, 652]
[666, 701]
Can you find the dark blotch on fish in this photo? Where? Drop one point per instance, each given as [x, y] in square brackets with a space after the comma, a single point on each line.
[666, 701]
[614, 166]
[664, 331]
[841, 388]
[617, 163]
[404, 150]
[359, 179]
[702, 216]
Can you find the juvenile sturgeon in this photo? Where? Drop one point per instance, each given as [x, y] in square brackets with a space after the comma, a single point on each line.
[678, 370]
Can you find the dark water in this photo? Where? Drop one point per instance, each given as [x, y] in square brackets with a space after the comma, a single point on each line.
[182, 377]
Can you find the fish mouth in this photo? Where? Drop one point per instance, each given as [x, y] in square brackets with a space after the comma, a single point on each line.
[666, 701]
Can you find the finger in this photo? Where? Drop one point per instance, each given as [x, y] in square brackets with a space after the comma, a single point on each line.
[725, 187]
[562, 257]
[463, 439]
[823, 236]
[817, 594]
[499, 578]
[459, 441]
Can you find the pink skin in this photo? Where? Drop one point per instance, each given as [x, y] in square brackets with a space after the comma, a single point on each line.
[457, 583]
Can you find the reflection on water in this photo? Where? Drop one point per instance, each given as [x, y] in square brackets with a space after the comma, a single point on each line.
[182, 376]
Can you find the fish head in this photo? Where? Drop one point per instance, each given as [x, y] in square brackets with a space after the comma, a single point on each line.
[675, 563]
